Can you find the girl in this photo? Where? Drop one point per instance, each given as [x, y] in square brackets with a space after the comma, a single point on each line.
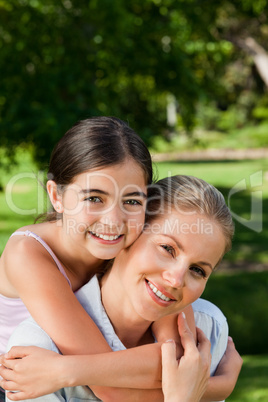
[162, 273]
[98, 177]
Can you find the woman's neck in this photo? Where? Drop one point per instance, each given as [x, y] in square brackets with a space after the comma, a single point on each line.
[130, 328]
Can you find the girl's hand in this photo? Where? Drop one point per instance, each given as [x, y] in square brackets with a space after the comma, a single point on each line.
[21, 372]
[186, 380]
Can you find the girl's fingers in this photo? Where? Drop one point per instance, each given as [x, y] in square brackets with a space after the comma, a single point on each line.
[16, 396]
[6, 374]
[8, 364]
[8, 385]
[17, 352]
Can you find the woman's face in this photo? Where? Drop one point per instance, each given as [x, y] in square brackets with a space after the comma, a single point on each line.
[104, 209]
[167, 268]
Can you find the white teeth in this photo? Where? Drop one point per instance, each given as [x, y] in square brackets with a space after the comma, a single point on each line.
[158, 293]
[105, 237]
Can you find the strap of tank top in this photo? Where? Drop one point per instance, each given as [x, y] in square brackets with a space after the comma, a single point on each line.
[46, 246]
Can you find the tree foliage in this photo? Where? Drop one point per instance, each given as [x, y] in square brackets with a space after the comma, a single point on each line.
[65, 60]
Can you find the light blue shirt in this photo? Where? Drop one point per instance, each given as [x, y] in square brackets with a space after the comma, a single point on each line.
[208, 317]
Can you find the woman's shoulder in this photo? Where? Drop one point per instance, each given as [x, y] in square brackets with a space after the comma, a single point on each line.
[210, 309]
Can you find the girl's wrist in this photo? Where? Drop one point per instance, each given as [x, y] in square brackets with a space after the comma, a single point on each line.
[66, 371]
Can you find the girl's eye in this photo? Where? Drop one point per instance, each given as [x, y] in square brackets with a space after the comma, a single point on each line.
[198, 271]
[93, 199]
[132, 202]
[169, 249]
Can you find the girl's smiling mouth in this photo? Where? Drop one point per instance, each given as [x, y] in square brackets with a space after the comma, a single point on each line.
[106, 238]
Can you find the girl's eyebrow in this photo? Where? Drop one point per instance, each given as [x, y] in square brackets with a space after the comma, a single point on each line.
[136, 194]
[95, 190]
[92, 190]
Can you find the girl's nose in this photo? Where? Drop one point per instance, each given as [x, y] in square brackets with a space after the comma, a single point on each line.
[113, 217]
[175, 276]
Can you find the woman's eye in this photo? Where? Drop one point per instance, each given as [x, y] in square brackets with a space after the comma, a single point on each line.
[169, 249]
[132, 202]
[199, 271]
[93, 199]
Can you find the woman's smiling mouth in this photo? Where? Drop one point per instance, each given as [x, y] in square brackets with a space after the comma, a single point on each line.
[157, 294]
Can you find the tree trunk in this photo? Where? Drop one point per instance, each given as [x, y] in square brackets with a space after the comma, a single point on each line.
[259, 55]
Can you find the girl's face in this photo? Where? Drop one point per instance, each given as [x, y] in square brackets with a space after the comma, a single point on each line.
[104, 209]
[167, 268]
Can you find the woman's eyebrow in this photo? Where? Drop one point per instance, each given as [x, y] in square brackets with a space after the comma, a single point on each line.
[205, 263]
[179, 245]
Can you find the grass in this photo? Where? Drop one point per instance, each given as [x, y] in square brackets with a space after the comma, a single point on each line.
[23, 198]
[251, 136]
[247, 137]
[242, 297]
[252, 385]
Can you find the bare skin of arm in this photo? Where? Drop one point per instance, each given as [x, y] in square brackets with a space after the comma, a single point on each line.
[62, 371]
[198, 357]
[36, 372]
[222, 384]
[64, 319]
[167, 328]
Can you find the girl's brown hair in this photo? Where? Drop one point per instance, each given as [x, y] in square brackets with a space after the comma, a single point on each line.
[96, 143]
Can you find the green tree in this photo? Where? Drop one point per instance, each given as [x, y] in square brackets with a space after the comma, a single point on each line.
[65, 60]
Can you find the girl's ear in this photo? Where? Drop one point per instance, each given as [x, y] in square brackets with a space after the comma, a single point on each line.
[55, 197]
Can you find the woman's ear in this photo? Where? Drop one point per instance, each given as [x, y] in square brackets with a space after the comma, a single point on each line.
[55, 197]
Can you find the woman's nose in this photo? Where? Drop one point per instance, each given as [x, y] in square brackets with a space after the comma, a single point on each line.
[175, 276]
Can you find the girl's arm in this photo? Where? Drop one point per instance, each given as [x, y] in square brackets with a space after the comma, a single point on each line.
[36, 372]
[76, 369]
[48, 297]
[167, 328]
[222, 384]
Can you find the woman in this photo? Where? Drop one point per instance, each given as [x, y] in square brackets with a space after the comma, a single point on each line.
[189, 229]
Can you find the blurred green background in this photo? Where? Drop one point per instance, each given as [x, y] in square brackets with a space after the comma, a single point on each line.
[238, 287]
[189, 77]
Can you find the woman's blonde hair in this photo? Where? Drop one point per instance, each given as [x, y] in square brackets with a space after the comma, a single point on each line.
[188, 193]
